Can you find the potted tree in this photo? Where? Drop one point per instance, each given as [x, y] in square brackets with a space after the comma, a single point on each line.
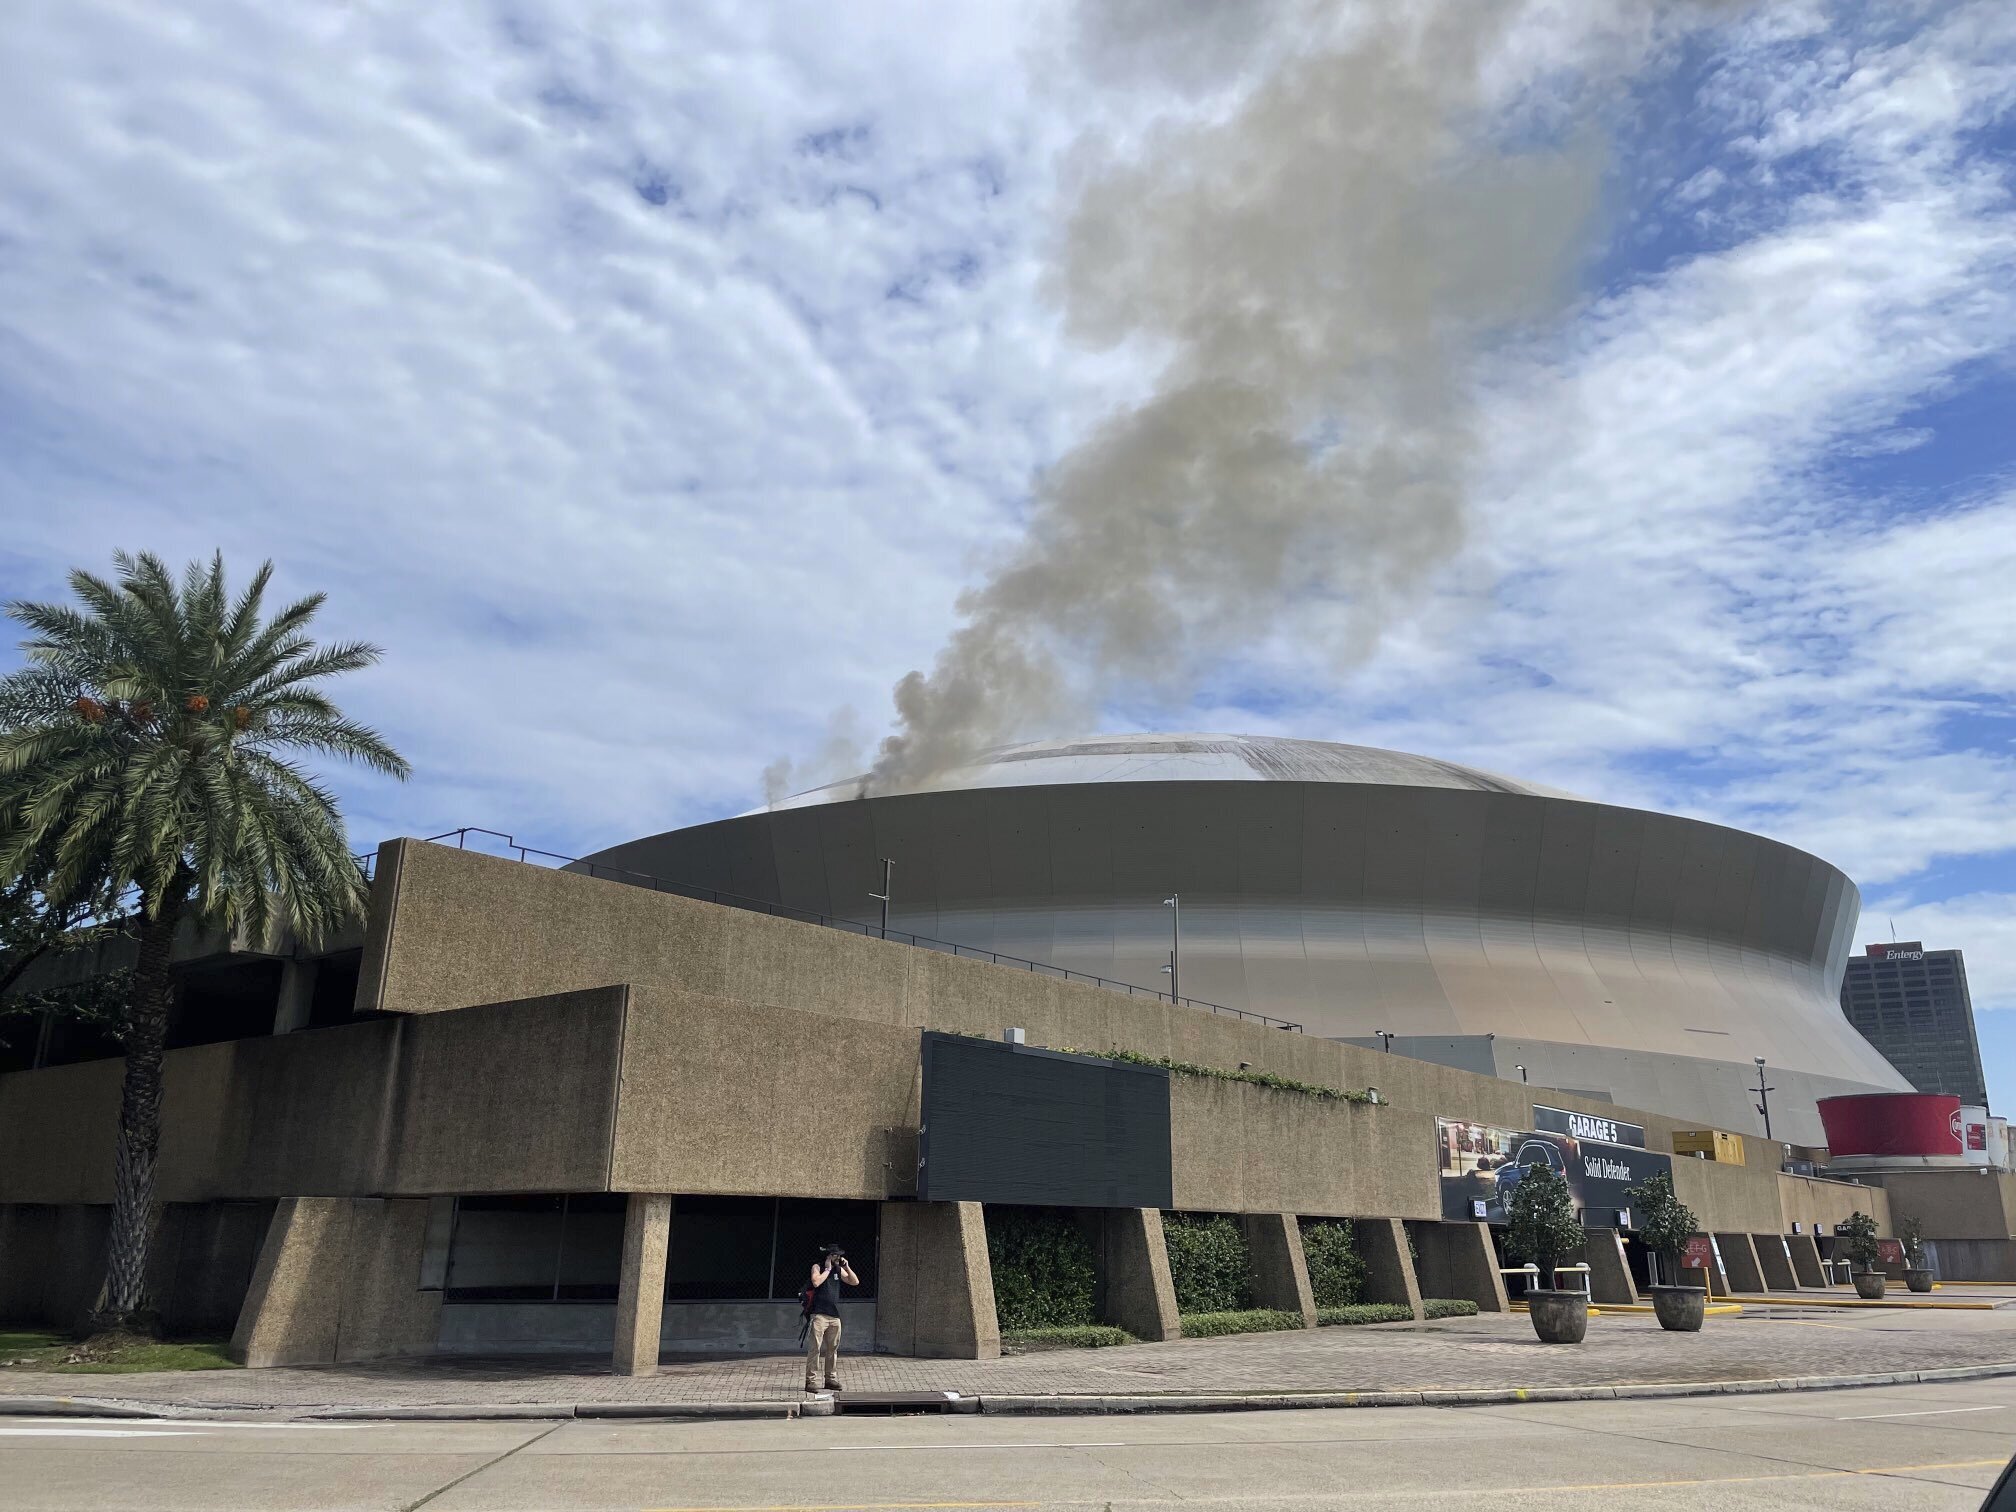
[1666, 1223]
[1858, 1230]
[1541, 1227]
[1917, 1274]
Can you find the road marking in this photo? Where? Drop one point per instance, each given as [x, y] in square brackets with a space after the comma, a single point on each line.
[847, 1507]
[885, 1448]
[102, 1433]
[200, 1425]
[1870, 1417]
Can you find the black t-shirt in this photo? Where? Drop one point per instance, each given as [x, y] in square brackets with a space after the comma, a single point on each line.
[826, 1296]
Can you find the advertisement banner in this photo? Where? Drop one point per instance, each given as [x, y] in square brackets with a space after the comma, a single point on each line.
[1588, 1126]
[1481, 1165]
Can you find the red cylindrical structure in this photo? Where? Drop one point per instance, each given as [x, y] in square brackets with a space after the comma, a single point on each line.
[1901, 1128]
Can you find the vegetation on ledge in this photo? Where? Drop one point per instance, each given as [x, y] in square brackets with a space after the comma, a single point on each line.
[1219, 1073]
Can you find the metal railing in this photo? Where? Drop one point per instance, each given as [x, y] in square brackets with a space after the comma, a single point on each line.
[527, 853]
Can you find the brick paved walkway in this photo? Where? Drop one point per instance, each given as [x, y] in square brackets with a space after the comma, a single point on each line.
[1459, 1354]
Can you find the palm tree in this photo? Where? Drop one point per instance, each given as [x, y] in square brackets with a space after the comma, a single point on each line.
[147, 752]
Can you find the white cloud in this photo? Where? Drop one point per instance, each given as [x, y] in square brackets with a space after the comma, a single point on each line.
[652, 385]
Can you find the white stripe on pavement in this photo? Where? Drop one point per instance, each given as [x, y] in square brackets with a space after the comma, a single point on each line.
[1870, 1417]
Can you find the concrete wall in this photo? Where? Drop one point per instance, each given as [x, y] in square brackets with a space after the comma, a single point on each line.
[1963, 1204]
[513, 1097]
[338, 1279]
[726, 1097]
[1807, 1200]
[52, 1262]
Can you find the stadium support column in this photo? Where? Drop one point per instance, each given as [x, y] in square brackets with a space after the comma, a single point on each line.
[1140, 1297]
[1609, 1276]
[1774, 1260]
[640, 1286]
[934, 1285]
[1806, 1262]
[1458, 1260]
[1280, 1271]
[1739, 1262]
[1389, 1264]
[297, 996]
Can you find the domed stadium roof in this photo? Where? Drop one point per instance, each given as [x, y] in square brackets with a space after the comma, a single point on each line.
[1192, 758]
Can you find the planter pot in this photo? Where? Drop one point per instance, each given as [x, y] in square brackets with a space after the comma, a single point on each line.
[1559, 1317]
[1919, 1280]
[1680, 1309]
[1869, 1285]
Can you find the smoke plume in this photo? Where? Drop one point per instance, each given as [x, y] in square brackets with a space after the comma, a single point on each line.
[1322, 264]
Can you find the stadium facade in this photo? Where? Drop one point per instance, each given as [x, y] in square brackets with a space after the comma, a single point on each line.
[530, 1109]
[1365, 895]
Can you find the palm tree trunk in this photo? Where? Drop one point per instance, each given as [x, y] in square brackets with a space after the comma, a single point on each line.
[140, 1117]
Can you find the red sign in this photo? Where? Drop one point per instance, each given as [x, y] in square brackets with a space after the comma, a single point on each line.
[1892, 1123]
[1890, 1251]
[1699, 1254]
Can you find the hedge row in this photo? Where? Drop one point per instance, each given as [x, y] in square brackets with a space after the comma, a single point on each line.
[1083, 1336]
[1043, 1268]
[1364, 1312]
[1336, 1273]
[1207, 1262]
[1209, 1325]
[1448, 1307]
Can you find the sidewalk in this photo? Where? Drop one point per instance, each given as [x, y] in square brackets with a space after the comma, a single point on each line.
[1493, 1354]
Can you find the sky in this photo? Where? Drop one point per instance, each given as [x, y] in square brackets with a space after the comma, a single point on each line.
[651, 381]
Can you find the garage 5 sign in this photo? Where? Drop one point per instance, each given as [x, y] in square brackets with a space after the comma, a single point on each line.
[1481, 1165]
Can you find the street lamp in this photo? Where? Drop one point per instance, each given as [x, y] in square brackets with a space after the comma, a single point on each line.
[1522, 1074]
[1385, 1040]
[1763, 1095]
[882, 897]
[1174, 903]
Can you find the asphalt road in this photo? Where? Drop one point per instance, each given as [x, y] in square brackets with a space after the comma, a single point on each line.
[1891, 1448]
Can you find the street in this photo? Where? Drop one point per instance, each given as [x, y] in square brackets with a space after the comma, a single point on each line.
[1927, 1446]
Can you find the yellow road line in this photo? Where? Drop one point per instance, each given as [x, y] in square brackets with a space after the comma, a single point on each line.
[1781, 1301]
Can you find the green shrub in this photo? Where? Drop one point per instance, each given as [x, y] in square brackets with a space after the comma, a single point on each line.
[1859, 1229]
[1336, 1274]
[1448, 1307]
[1209, 1325]
[1364, 1312]
[1081, 1336]
[1043, 1268]
[1207, 1262]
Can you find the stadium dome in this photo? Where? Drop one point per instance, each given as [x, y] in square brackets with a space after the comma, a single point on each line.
[1479, 920]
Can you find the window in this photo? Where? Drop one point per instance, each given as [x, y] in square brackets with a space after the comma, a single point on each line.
[557, 1247]
[548, 1248]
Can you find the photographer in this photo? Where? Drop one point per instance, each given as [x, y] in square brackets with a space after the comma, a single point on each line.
[828, 1272]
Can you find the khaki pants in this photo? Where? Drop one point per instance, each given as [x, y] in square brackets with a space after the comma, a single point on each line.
[822, 1338]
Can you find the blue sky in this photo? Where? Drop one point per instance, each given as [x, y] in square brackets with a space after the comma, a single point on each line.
[651, 381]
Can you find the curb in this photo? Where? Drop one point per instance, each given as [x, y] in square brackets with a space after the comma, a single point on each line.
[1009, 1406]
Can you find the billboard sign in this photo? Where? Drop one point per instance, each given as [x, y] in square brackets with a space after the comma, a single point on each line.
[1588, 1126]
[1481, 1165]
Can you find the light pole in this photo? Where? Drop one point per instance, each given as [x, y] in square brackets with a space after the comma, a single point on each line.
[1174, 903]
[1385, 1040]
[1522, 1075]
[1763, 1095]
[882, 897]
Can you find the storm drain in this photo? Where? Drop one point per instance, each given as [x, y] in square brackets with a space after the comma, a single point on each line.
[900, 1403]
